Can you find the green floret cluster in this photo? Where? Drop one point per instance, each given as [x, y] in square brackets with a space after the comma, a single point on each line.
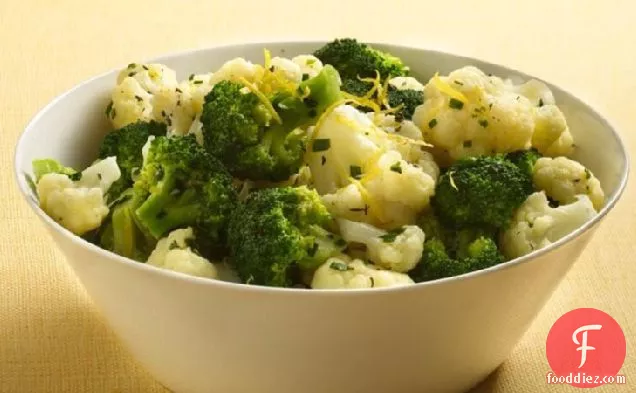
[279, 232]
[475, 199]
[482, 190]
[263, 137]
[126, 144]
[355, 60]
[178, 184]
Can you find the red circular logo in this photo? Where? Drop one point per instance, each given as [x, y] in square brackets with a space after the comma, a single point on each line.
[586, 348]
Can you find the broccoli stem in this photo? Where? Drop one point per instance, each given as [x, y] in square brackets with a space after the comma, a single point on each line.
[124, 231]
[168, 208]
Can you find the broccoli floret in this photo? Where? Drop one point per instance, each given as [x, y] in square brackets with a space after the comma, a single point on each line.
[180, 185]
[436, 262]
[241, 130]
[409, 99]
[355, 59]
[524, 159]
[277, 232]
[481, 191]
[126, 144]
[433, 228]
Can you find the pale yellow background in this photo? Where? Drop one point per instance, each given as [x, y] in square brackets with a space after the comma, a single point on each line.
[52, 340]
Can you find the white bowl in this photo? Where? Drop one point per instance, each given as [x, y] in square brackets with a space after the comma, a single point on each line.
[199, 336]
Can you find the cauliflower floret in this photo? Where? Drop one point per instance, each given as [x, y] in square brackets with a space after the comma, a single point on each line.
[151, 77]
[406, 83]
[174, 253]
[468, 113]
[552, 135]
[196, 129]
[423, 159]
[235, 69]
[144, 92]
[308, 64]
[392, 190]
[288, 68]
[130, 103]
[536, 91]
[79, 206]
[343, 273]
[564, 179]
[393, 180]
[406, 128]
[101, 174]
[352, 140]
[180, 106]
[537, 225]
[198, 86]
[399, 250]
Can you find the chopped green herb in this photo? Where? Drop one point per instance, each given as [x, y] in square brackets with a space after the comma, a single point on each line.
[173, 245]
[109, 108]
[144, 67]
[364, 209]
[312, 251]
[323, 160]
[163, 114]
[178, 90]
[132, 65]
[138, 98]
[310, 102]
[341, 243]
[588, 174]
[483, 123]
[432, 123]
[113, 113]
[191, 77]
[399, 117]
[305, 77]
[339, 266]
[131, 73]
[198, 82]
[321, 145]
[540, 102]
[468, 143]
[397, 167]
[458, 83]
[355, 171]
[372, 282]
[455, 104]
[310, 61]
[391, 235]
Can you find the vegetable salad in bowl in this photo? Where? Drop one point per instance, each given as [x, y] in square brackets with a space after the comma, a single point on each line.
[331, 170]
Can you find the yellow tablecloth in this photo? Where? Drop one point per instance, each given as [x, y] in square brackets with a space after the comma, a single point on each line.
[51, 338]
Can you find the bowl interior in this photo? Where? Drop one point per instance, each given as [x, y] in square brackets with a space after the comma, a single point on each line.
[71, 127]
